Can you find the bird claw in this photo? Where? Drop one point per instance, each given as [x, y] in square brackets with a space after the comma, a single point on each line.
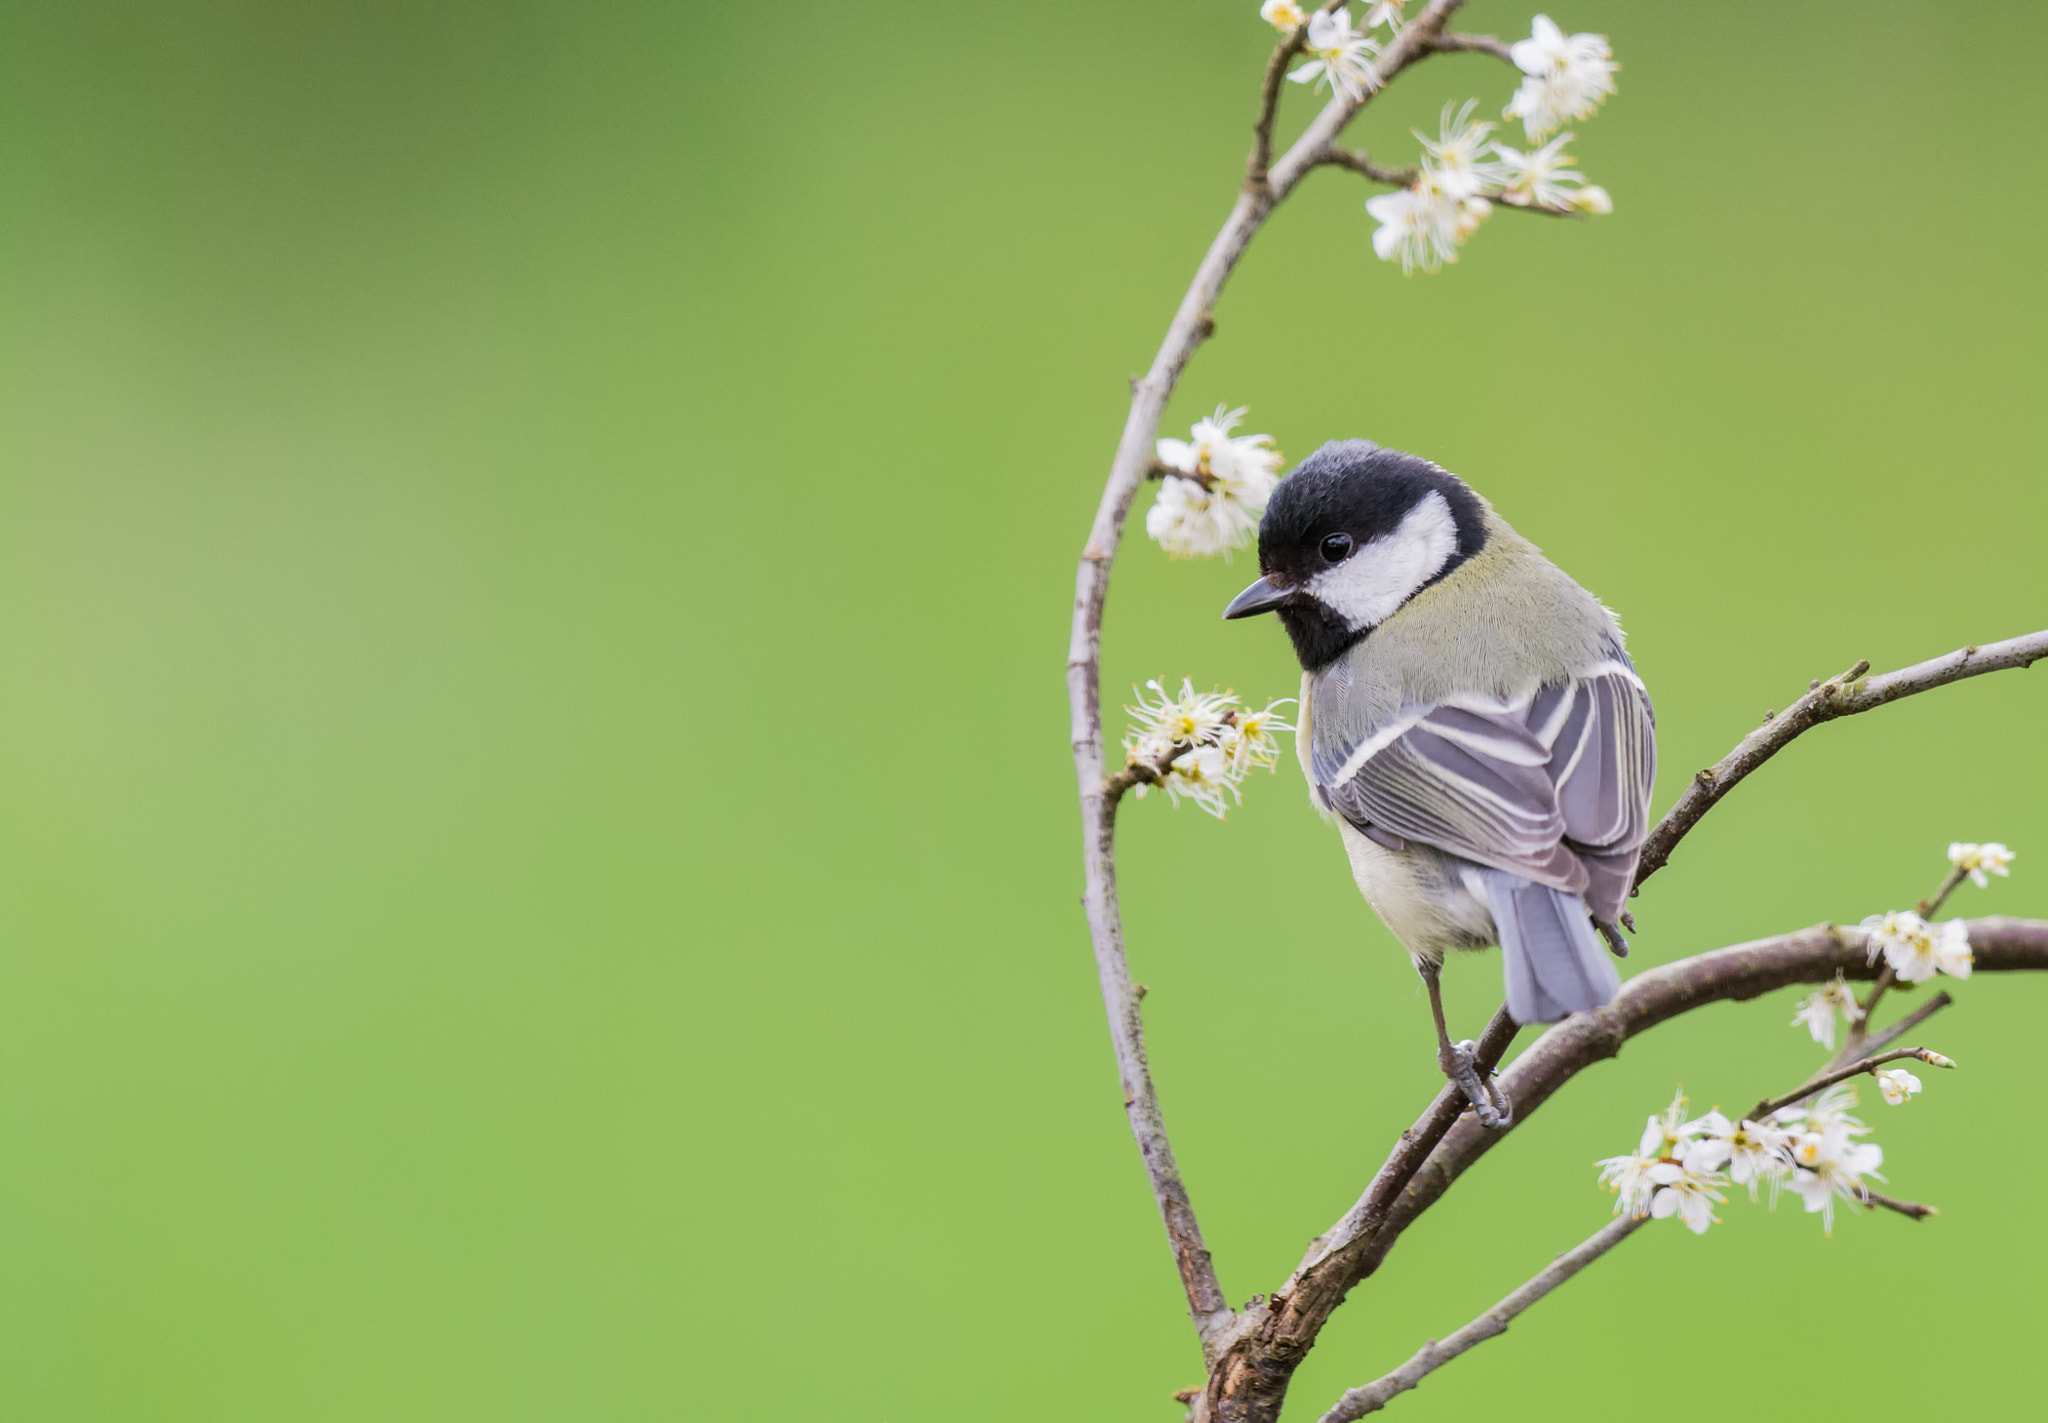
[1460, 1063]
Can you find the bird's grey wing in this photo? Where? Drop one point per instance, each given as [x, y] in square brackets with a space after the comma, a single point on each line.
[1552, 785]
[1603, 762]
[1472, 778]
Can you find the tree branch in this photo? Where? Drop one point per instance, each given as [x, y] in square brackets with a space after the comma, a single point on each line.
[1191, 325]
[1762, 1110]
[1452, 43]
[1913, 1209]
[1372, 1397]
[1841, 696]
[1878, 1041]
[1358, 161]
[1249, 1380]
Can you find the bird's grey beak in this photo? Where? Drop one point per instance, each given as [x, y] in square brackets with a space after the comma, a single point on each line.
[1261, 597]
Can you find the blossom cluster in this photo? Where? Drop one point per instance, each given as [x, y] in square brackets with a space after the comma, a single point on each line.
[1341, 58]
[1679, 1166]
[1462, 174]
[1975, 860]
[1916, 950]
[1208, 742]
[1220, 483]
[1812, 1149]
[1912, 948]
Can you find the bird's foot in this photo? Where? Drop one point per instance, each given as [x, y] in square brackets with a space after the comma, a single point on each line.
[1460, 1063]
[1616, 945]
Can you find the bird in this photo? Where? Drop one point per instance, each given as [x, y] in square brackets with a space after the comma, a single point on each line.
[1470, 721]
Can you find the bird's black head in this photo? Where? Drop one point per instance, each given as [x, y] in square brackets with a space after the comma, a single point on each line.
[1351, 535]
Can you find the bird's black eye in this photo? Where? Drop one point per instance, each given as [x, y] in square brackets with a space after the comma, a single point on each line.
[1336, 548]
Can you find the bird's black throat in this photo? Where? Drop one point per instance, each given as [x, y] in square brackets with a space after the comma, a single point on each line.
[1320, 637]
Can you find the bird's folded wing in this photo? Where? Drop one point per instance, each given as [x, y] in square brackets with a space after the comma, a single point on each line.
[1537, 784]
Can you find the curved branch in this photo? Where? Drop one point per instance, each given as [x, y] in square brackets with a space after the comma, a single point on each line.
[1841, 696]
[2001, 945]
[1249, 1380]
[1190, 326]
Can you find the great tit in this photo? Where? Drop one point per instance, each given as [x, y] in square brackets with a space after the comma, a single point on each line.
[1468, 720]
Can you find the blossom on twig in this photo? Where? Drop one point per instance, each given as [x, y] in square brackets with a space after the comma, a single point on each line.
[1286, 16]
[1424, 225]
[1674, 1170]
[1343, 56]
[1201, 744]
[1226, 480]
[1897, 1084]
[1974, 860]
[1454, 161]
[1917, 950]
[1756, 1152]
[1829, 1163]
[1569, 76]
[1544, 178]
[1817, 1011]
[1382, 12]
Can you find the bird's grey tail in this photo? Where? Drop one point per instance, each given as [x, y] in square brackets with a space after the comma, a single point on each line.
[1554, 960]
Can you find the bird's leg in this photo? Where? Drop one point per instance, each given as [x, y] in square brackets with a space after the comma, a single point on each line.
[1616, 945]
[1460, 1061]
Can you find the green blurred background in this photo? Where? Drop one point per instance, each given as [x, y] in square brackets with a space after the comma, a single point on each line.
[539, 872]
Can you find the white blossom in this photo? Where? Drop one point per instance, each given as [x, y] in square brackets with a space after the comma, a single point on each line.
[1952, 949]
[1213, 741]
[1897, 1084]
[1756, 1152]
[1343, 56]
[1917, 950]
[1286, 16]
[1229, 478]
[1818, 1009]
[1568, 77]
[1686, 1187]
[1629, 1177]
[1829, 1162]
[1544, 178]
[1974, 860]
[1382, 12]
[1672, 1170]
[1423, 225]
[1454, 162]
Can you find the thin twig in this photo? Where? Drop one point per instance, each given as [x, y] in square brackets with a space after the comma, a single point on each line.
[1261, 158]
[1883, 1039]
[1841, 696]
[1866, 1007]
[1140, 773]
[1454, 43]
[1372, 1397]
[1762, 1110]
[1358, 161]
[1191, 325]
[1913, 1209]
[1160, 469]
[1955, 876]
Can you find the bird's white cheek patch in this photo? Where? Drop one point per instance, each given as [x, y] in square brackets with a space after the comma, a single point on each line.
[1366, 588]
